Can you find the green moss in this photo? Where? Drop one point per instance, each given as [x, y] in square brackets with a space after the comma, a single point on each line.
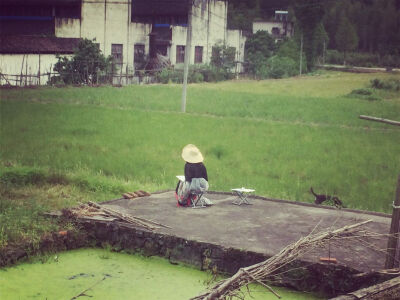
[65, 275]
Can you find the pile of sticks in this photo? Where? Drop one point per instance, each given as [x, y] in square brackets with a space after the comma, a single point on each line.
[93, 209]
[260, 272]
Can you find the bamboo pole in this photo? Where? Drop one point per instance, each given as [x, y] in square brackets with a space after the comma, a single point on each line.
[187, 56]
[391, 122]
[22, 68]
[26, 71]
[39, 69]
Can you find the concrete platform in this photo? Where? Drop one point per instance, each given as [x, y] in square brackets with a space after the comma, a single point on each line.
[264, 227]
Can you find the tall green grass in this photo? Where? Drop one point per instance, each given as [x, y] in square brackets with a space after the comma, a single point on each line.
[278, 136]
[313, 99]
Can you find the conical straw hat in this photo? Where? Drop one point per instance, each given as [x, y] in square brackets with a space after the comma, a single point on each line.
[192, 154]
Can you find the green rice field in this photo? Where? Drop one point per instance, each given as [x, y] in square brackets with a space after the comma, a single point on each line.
[60, 146]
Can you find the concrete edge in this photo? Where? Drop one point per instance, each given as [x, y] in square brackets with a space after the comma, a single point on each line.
[291, 202]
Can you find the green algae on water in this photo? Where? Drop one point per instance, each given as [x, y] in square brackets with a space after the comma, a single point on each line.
[108, 275]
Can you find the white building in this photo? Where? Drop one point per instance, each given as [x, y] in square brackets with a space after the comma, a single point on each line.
[280, 27]
[32, 32]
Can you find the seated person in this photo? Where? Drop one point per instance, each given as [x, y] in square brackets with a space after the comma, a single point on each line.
[196, 178]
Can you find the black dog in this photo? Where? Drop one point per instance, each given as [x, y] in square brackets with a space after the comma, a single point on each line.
[319, 198]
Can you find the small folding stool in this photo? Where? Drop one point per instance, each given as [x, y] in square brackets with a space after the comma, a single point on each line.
[242, 194]
[197, 200]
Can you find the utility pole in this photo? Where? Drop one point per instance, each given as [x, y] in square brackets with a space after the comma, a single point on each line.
[392, 260]
[301, 52]
[187, 54]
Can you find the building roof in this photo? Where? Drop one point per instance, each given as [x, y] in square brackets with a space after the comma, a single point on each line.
[38, 2]
[159, 7]
[37, 44]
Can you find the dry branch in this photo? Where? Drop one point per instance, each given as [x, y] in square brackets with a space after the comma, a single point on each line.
[261, 271]
[130, 219]
[81, 294]
[92, 209]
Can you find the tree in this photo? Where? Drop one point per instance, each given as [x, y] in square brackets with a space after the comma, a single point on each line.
[85, 64]
[259, 47]
[223, 56]
[290, 49]
[346, 37]
[309, 14]
[321, 41]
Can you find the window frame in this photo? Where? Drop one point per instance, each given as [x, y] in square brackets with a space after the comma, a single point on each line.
[180, 54]
[118, 56]
[198, 54]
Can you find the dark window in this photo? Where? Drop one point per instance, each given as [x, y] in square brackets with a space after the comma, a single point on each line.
[116, 53]
[139, 56]
[139, 52]
[180, 54]
[198, 55]
[275, 31]
[215, 52]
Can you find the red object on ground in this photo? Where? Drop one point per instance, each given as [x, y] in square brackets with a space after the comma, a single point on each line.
[63, 232]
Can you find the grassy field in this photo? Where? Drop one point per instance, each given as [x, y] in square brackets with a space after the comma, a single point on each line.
[280, 137]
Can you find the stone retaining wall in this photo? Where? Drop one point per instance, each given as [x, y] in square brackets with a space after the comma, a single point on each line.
[327, 280]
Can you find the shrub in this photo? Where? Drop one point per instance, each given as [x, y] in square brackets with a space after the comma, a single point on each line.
[85, 66]
[223, 56]
[392, 61]
[279, 67]
[257, 65]
[376, 83]
[362, 59]
[195, 76]
[170, 75]
[389, 84]
[392, 84]
[334, 57]
[373, 98]
[259, 47]
[291, 50]
[214, 74]
[365, 94]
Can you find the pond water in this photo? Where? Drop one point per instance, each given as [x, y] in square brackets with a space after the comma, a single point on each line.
[109, 275]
